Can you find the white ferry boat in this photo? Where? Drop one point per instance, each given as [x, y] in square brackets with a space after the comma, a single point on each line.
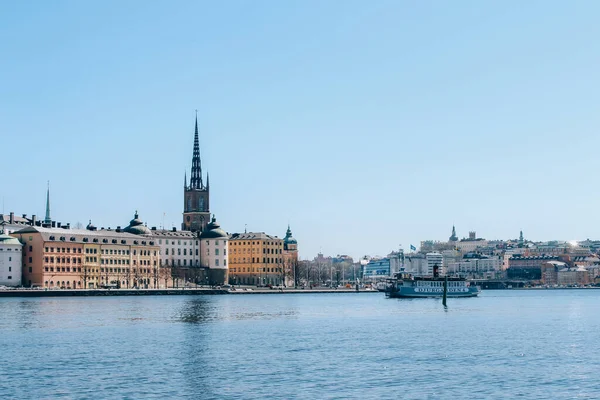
[405, 285]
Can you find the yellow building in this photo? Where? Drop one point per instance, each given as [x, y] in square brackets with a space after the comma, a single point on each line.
[255, 259]
[78, 258]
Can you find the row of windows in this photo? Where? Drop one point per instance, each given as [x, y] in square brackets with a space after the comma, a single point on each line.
[62, 269]
[177, 263]
[257, 260]
[2, 249]
[249, 269]
[216, 252]
[178, 242]
[63, 260]
[239, 243]
[59, 249]
[265, 251]
[179, 252]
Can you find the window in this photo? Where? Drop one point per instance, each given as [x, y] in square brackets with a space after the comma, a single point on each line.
[224, 263]
[224, 252]
[9, 277]
[9, 258]
[216, 242]
[30, 260]
[216, 252]
[216, 263]
[9, 269]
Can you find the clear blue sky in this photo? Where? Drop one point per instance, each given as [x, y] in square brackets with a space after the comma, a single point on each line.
[364, 124]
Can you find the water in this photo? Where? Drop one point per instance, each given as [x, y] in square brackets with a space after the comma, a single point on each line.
[524, 344]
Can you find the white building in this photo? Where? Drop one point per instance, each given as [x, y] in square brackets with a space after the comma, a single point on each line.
[10, 260]
[434, 259]
[177, 248]
[214, 245]
[415, 264]
[479, 267]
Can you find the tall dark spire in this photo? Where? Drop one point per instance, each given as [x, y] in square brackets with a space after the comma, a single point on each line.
[207, 181]
[48, 220]
[196, 179]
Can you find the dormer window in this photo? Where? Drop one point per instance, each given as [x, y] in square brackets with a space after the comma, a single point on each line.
[51, 237]
[95, 240]
[114, 241]
[85, 240]
[123, 241]
[63, 238]
[72, 239]
[104, 240]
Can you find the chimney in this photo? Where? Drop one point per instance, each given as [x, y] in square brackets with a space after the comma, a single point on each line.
[174, 229]
[12, 218]
[118, 229]
[24, 215]
[153, 228]
[33, 220]
[68, 226]
[54, 224]
[57, 224]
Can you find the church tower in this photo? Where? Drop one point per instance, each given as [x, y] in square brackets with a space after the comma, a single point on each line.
[196, 211]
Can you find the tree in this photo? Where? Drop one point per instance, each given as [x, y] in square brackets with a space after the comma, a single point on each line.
[165, 273]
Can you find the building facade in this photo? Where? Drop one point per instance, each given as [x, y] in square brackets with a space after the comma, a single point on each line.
[196, 202]
[214, 245]
[290, 259]
[255, 258]
[10, 260]
[78, 258]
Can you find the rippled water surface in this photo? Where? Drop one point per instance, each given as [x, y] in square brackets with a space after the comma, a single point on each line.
[525, 344]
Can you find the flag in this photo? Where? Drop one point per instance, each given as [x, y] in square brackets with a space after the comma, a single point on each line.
[413, 247]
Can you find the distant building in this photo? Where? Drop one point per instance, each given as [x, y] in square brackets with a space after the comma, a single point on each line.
[549, 271]
[527, 267]
[476, 266]
[415, 264]
[255, 258]
[214, 245]
[434, 260]
[573, 276]
[470, 244]
[10, 260]
[453, 237]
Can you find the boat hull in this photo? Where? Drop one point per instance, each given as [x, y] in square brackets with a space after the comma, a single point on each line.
[411, 292]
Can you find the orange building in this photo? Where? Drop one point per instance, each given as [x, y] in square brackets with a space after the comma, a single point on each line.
[255, 259]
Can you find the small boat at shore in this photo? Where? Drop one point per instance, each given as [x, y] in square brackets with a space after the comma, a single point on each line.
[406, 285]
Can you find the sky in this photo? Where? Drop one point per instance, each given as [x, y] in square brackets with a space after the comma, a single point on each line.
[365, 125]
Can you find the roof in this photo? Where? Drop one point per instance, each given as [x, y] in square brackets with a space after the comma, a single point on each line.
[80, 234]
[9, 240]
[213, 231]
[163, 233]
[252, 235]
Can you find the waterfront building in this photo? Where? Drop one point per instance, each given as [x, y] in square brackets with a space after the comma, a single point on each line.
[527, 267]
[290, 258]
[178, 249]
[86, 258]
[255, 258]
[377, 269]
[415, 264]
[196, 204]
[549, 271]
[573, 276]
[214, 245]
[10, 260]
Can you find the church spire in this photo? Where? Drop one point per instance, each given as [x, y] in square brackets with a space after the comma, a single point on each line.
[48, 220]
[207, 181]
[185, 179]
[196, 180]
[453, 237]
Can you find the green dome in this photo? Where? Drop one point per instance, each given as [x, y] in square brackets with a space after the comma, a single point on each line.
[136, 226]
[213, 231]
[288, 239]
[6, 239]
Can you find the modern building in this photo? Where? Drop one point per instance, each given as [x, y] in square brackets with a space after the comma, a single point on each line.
[527, 267]
[434, 259]
[214, 245]
[255, 258]
[196, 205]
[81, 258]
[10, 260]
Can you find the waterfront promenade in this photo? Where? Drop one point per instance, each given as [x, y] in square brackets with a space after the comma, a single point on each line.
[168, 292]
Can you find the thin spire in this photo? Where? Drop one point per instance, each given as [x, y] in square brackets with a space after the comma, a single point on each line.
[207, 181]
[48, 220]
[185, 179]
[196, 180]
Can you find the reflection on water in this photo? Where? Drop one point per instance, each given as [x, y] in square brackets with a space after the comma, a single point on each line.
[503, 344]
